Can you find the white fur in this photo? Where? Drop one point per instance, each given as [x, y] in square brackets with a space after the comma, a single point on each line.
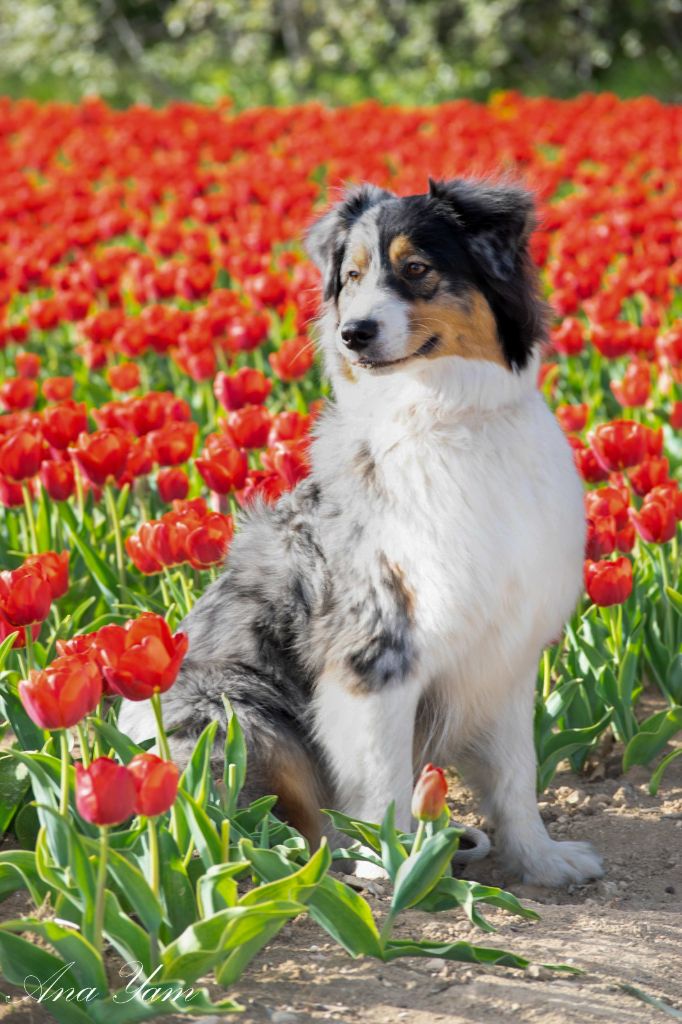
[485, 519]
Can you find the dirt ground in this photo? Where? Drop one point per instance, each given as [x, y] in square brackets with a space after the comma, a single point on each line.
[625, 929]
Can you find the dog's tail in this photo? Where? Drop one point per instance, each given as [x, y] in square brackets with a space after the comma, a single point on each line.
[279, 760]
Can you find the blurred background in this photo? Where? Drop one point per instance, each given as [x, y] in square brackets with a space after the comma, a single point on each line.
[284, 51]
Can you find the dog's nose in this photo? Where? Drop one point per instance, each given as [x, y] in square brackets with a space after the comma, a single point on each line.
[357, 334]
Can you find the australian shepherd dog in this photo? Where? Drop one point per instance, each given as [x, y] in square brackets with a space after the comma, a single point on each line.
[392, 608]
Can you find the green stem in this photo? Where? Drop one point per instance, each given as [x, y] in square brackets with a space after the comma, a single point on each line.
[154, 882]
[666, 583]
[101, 887]
[65, 760]
[419, 838]
[547, 674]
[30, 656]
[112, 511]
[225, 840]
[30, 519]
[161, 738]
[84, 745]
[186, 592]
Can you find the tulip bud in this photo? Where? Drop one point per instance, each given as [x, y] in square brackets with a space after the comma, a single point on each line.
[156, 784]
[428, 798]
[105, 792]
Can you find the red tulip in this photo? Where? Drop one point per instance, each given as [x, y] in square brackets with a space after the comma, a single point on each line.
[635, 387]
[148, 660]
[25, 596]
[124, 376]
[619, 444]
[222, 466]
[208, 544]
[156, 784]
[625, 538]
[608, 501]
[572, 418]
[608, 583]
[105, 792]
[21, 453]
[249, 426]
[649, 474]
[57, 389]
[428, 798]
[568, 337]
[141, 557]
[293, 359]
[103, 455]
[586, 463]
[173, 443]
[245, 387]
[62, 423]
[11, 494]
[62, 694]
[18, 393]
[655, 522]
[58, 479]
[601, 537]
[54, 567]
[172, 483]
[27, 364]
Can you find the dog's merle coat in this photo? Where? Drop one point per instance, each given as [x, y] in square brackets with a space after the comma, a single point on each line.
[393, 607]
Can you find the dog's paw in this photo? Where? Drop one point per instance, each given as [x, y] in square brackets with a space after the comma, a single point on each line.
[555, 864]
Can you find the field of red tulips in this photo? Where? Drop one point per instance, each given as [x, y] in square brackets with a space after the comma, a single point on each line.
[156, 372]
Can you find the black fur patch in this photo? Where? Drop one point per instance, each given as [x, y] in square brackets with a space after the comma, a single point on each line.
[386, 617]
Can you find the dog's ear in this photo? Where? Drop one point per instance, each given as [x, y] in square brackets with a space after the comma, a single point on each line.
[497, 221]
[325, 240]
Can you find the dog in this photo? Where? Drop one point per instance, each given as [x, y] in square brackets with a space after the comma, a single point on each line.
[392, 608]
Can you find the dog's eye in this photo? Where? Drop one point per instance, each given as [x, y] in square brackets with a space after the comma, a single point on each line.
[415, 268]
[353, 275]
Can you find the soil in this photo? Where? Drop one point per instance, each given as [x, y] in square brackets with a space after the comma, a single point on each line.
[624, 930]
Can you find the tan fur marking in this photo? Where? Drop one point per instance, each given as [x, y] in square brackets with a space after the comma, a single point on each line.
[360, 258]
[292, 779]
[347, 371]
[466, 329]
[400, 248]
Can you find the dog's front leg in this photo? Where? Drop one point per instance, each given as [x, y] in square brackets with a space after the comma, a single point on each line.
[505, 772]
[367, 735]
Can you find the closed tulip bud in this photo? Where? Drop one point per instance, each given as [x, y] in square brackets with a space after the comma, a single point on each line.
[105, 792]
[428, 798]
[172, 483]
[58, 479]
[25, 596]
[608, 583]
[102, 455]
[21, 453]
[62, 694]
[156, 784]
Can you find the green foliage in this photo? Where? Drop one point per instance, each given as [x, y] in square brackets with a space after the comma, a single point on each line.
[284, 51]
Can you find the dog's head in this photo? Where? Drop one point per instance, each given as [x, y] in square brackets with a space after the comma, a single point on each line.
[430, 276]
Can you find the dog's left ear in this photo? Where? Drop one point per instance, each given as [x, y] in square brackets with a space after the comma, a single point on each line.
[325, 240]
[497, 219]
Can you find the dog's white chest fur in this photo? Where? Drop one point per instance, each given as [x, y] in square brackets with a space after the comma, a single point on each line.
[481, 513]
